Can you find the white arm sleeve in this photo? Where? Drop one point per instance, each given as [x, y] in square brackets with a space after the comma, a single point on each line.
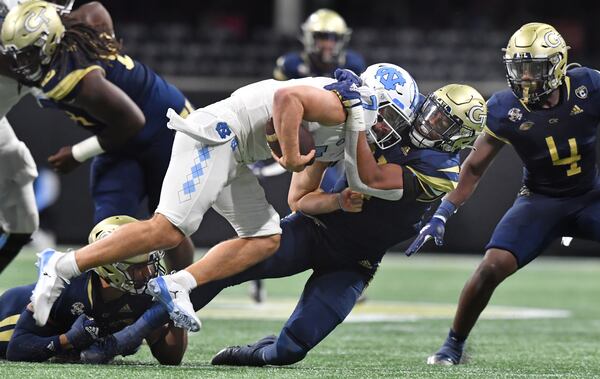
[354, 125]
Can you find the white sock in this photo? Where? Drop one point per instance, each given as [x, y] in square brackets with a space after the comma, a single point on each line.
[184, 279]
[67, 266]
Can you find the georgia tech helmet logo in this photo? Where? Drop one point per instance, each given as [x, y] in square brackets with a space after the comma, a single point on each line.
[477, 115]
[34, 21]
[552, 39]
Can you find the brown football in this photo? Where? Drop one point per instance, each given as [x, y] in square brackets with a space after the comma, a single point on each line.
[305, 140]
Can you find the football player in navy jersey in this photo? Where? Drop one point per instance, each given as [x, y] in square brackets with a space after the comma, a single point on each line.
[77, 63]
[341, 235]
[93, 307]
[550, 116]
[325, 36]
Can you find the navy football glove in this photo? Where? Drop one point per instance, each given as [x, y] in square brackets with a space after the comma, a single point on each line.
[347, 91]
[433, 229]
[83, 332]
[345, 75]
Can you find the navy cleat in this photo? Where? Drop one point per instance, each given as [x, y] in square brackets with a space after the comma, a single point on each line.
[243, 355]
[176, 300]
[100, 352]
[449, 354]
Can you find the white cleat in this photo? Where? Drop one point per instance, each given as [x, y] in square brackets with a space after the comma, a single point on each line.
[177, 302]
[48, 287]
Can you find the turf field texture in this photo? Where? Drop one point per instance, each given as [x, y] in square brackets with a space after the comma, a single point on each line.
[543, 322]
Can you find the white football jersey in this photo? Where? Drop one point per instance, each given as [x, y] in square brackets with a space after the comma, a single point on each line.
[254, 107]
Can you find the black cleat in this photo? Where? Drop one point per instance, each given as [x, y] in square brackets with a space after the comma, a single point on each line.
[243, 355]
[449, 354]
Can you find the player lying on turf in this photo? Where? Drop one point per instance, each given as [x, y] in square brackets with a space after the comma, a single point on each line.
[208, 168]
[92, 307]
[550, 116]
[342, 248]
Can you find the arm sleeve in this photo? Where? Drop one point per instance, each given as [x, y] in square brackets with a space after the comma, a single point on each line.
[31, 343]
[354, 125]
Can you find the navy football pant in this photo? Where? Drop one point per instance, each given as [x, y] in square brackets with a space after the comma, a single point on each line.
[328, 296]
[535, 220]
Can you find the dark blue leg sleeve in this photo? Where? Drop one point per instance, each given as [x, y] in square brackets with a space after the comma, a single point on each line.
[31, 343]
[326, 301]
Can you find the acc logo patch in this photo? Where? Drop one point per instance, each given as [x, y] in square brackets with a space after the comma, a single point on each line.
[581, 92]
[526, 126]
[77, 308]
[515, 114]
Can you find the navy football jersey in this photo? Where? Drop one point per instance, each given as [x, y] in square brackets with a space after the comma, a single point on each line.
[298, 65]
[152, 94]
[428, 175]
[557, 145]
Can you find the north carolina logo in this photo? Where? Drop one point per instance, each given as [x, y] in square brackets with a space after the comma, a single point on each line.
[581, 92]
[526, 126]
[477, 115]
[34, 21]
[390, 77]
[515, 114]
[77, 308]
[552, 39]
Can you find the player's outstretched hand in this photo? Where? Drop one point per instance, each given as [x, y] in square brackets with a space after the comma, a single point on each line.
[435, 229]
[343, 74]
[83, 332]
[63, 161]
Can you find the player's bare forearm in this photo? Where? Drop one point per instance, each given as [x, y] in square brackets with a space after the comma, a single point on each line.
[386, 176]
[305, 182]
[318, 202]
[168, 344]
[485, 150]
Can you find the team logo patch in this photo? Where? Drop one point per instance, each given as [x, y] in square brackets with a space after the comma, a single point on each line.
[77, 308]
[515, 114]
[477, 115]
[553, 121]
[581, 92]
[526, 126]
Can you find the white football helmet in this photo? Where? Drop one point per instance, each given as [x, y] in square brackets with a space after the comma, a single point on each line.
[397, 102]
[131, 275]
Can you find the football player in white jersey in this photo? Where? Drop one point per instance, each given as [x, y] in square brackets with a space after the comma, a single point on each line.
[208, 167]
[18, 211]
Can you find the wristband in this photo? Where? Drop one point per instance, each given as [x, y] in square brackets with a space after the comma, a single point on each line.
[445, 210]
[86, 149]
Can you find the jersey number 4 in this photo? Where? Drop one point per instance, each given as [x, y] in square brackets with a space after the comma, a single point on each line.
[571, 160]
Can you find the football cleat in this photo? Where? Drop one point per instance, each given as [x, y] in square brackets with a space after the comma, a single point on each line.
[177, 302]
[48, 287]
[100, 352]
[449, 354]
[257, 291]
[242, 355]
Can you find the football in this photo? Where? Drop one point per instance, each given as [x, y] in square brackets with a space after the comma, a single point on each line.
[305, 140]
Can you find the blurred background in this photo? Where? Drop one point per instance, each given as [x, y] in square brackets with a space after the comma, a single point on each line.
[209, 49]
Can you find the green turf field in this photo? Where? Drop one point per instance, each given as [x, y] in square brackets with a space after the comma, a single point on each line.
[543, 322]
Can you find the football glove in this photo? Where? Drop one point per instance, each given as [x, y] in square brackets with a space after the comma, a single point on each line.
[435, 229]
[343, 74]
[347, 92]
[83, 332]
